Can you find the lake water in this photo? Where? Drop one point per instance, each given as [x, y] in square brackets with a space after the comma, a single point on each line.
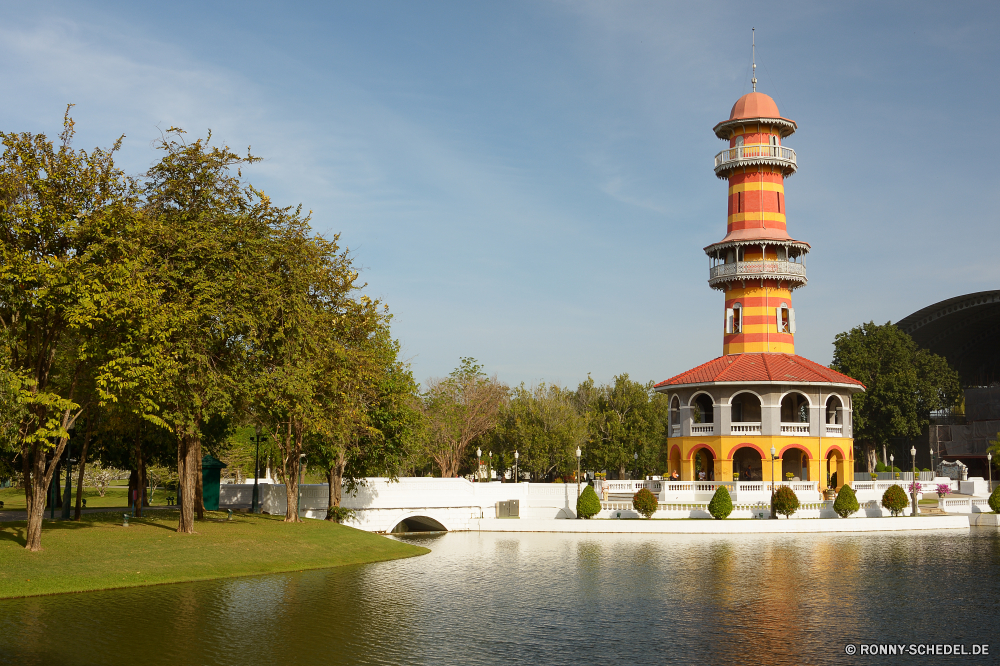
[550, 599]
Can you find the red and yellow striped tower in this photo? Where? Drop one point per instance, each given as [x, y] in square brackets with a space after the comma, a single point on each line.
[757, 264]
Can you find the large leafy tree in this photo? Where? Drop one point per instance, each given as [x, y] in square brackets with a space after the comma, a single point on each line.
[903, 384]
[458, 409]
[626, 419]
[543, 425]
[68, 281]
[209, 238]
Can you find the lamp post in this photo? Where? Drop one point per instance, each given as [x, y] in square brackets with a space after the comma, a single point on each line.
[635, 457]
[578, 476]
[302, 464]
[892, 466]
[931, 452]
[774, 456]
[255, 504]
[516, 456]
[489, 469]
[479, 465]
[913, 486]
[69, 488]
[989, 469]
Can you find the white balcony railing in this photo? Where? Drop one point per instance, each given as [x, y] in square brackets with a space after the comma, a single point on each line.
[795, 429]
[747, 270]
[834, 430]
[702, 428]
[759, 154]
[744, 429]
[675, 430]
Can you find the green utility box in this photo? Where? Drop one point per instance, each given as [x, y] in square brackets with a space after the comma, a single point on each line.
[508, 509]
[211, 479]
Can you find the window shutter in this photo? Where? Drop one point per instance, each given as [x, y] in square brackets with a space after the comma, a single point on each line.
[791, 320]
[777, 318]
[729, 320]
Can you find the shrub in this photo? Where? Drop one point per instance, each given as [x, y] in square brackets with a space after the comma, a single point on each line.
[645, 502]
[339, 514]
[785, 501]
[588, 505]
[721, 505]
[846, 502]
[895, 500]
[995, 500]
[896, 470]
[879, 467]
[925, 470]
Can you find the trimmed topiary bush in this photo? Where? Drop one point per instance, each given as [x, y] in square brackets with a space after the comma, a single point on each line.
[846, 502]
[995, 500]
[879, 467]
[721, 505]
[785, 501]
[645, 502]
[588, 505]
[895, 499]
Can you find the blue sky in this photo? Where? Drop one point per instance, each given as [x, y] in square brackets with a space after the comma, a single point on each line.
[530, 183]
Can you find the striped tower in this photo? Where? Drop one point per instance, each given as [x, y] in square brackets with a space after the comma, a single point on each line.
[757, 264]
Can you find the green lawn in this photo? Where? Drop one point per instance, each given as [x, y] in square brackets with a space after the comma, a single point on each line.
[97, 553]
[13, 498]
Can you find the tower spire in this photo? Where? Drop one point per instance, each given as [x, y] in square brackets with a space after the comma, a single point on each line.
[753, 56]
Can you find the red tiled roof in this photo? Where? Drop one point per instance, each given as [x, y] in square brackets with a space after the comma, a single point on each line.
[783, 368]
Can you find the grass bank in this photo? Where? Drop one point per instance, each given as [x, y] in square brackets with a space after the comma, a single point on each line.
[114, 496]
[97, 553]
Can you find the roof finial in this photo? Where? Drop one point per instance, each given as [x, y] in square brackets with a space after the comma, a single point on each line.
[753, 51]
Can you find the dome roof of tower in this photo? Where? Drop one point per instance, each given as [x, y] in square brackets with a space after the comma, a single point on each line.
[755, 106]
[772, 368]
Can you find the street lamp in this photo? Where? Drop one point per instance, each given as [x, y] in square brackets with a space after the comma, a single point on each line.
[578, 476]
[255, 504]
[489, 470]
[479, 465]
[892, 465]
[931, 451]
[516, 456]
[635, 456]
[913, 486]
[774, 456]
[989, 469]
[302, 464]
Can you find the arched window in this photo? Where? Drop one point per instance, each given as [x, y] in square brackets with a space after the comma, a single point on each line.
[834, 411]
[675, 412]
[745, 408]
[703, 411]
[794, 408]
[734, 318]
[785, 318]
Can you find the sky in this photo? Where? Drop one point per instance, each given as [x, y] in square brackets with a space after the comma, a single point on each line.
[530, 183]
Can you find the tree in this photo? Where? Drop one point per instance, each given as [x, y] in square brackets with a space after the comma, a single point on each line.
[588, 505]
[68, 279]
[543, 425]
[786, 502]
[895, 499]
[846, 503]
[721, 505]
[903, 384]
[459, 408]
[624, 419]
[644, 502]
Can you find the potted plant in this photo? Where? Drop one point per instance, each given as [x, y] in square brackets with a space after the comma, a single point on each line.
[736, 476]
[789, 475]
[874, 476]
[943, 489]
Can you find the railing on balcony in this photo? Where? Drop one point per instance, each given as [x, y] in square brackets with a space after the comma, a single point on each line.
[744, 428]
[795, 429]
[675, 430]
[760, 154]
[702, 428]
[834, 430]
[744, 270]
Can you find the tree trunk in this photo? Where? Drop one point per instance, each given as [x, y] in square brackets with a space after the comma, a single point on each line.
[337, 487]
[294, 443]
[199, 496]
[37, 477]
[186, 468]
[133, 491]
[871, 456]
[83, 466]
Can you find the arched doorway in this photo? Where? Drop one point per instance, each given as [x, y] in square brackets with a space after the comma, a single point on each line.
[836, 470]
[748, 463]
[795, 461]
[704, 464]
[675, 461]
[745, 413]
[703, 409]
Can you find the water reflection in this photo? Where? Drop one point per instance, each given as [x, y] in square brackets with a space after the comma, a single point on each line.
[548, 599]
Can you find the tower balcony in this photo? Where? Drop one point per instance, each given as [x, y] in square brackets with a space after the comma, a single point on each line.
[765, 154]
[787, 271]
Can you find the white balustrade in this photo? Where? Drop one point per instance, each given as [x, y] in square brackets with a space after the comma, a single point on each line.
[702, 428]
[834, 430]
[745, 428]
[755, 154]
[675, 430]
[795, 429]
